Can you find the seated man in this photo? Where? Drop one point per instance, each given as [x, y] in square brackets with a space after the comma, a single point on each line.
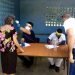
[55, 63]
[28, 38]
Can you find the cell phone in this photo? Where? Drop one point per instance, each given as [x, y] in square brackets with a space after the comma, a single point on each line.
[17, 22]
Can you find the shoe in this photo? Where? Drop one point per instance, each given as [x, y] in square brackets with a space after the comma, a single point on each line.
[57, 69]
[51, 66]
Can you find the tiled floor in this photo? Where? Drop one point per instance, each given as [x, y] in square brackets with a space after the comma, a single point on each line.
[39, 68]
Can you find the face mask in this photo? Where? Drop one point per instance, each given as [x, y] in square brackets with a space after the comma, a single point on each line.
[27, 28]
[58, 34]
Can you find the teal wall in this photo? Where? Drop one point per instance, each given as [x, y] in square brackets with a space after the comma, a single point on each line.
[6, 8]
[9, 7]
[35, 11]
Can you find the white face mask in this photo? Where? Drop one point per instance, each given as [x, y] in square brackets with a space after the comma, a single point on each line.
[27, 27]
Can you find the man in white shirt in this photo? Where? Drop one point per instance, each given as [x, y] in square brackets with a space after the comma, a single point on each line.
[69, 25]
[60, 39]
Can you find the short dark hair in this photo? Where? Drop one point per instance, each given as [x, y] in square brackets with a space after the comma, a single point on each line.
[59, 30]
[31, 23]
[8, 19]
[66, 15]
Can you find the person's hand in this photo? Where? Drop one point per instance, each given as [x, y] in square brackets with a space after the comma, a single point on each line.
[25, 30]
[71, 58]
[22, 40]
[28, 28]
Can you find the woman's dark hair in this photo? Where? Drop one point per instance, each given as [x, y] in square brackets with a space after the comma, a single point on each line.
[9, 19]
[31, 23]
[59, 30]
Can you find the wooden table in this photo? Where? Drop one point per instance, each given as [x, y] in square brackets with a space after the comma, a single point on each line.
[39, 50]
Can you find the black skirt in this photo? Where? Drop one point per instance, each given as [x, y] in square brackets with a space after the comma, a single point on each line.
[8, 62]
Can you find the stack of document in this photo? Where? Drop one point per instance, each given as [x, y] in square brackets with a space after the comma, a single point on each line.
[25, 44]
[50, 46]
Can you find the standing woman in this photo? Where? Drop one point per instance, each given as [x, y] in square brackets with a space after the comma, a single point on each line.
[8, 45]
[69, 25]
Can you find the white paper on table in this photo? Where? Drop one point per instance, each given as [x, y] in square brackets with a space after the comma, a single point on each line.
[26, 44]
[50, 46]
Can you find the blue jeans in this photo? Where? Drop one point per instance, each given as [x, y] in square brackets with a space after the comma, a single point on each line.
[72, 65]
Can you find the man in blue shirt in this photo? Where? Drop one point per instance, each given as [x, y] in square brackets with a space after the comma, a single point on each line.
[28, 38]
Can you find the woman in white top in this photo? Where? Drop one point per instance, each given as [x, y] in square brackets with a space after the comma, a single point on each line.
[69, 25]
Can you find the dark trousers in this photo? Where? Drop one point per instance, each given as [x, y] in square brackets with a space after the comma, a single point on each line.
[27, 61]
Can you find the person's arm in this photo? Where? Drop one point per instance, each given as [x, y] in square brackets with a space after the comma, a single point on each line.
[62, 40]
[62, 43]
[25, 30]
[70, 41]
[33, 38]
[49, 40]
[16, 43]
